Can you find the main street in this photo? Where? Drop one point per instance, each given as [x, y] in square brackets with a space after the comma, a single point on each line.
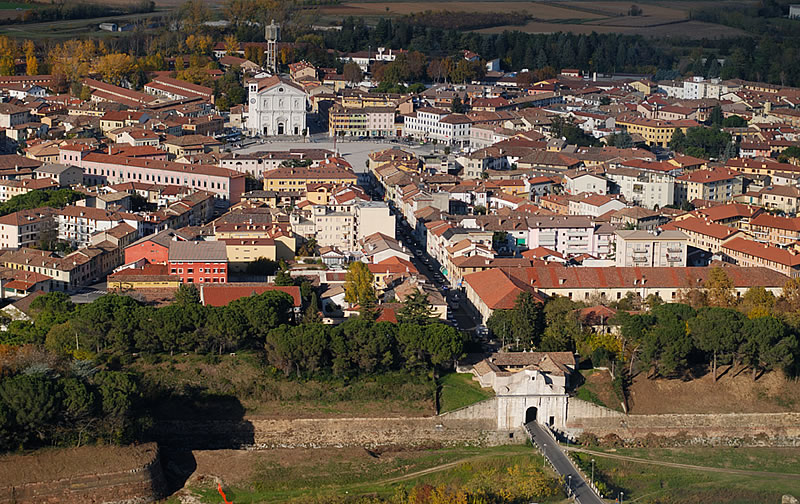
[563, 465]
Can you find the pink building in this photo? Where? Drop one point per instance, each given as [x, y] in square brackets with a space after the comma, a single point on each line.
[226, 185]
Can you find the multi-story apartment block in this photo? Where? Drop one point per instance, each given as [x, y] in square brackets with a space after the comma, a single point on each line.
[27, 228]
[227, 186]
[651, 249]
[594, 205]
[774, 229]
[704, 234]
[654, 131]
[567, 235]
[199, 261]
[332, 171]
[366, 121]
[76, 225]
[344, 225]
[429, 123]
[718, 184]
[13, 115]
[648, 189]
[745, 252]
[582, 181]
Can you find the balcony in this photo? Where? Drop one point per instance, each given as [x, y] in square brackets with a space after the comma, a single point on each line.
[640, 259]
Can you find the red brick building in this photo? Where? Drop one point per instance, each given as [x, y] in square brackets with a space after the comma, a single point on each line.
[153, 249]
[199, 261]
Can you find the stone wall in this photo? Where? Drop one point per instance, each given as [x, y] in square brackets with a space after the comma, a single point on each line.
[580, 409]
[133, 485]
[482, 410]
[335, 432]
[777, 429]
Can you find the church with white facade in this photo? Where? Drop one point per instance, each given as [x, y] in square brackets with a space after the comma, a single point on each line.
[276, 107]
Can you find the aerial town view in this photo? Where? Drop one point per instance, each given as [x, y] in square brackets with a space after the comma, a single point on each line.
[376, 252]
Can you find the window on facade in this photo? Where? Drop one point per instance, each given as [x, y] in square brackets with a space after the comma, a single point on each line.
[189, 270]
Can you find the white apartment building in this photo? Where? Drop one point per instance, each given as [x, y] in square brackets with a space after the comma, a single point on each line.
[76, 225]
[567, 235]
[576, 182]
[430, 123]
[342, 226]
[644, 188]
[651, 248]
[276, 107]
[594, 205]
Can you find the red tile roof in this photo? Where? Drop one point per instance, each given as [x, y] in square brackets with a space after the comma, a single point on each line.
[222, 294]
[709, 176]
[703, 227]
[497, 288]
[785, 257]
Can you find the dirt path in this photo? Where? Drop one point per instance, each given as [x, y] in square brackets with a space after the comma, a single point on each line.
[741, 472]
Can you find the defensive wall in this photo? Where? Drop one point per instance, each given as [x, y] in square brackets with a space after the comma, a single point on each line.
[333, 432]
[774, 429]
[80, 475]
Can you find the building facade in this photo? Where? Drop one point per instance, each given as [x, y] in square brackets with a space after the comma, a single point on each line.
[276, 107]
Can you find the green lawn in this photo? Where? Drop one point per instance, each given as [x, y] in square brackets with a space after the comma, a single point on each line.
[457, 390]
[649, 483]
[383, 477]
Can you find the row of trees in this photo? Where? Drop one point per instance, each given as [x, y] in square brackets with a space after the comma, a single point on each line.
[517, 50]
[120, 325]
[674, 337]
[37, 199]
[361, 346]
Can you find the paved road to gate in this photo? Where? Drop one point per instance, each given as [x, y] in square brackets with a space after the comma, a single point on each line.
[563, 465]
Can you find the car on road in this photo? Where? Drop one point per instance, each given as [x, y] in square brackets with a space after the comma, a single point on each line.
[418, 253]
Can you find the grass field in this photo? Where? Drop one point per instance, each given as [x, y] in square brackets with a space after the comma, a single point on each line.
[457, 390]
[300, 475]
[649, 483]
[659, 18]
[78, 28]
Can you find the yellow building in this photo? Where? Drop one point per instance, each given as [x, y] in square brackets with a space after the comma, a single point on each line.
[242, 252]
[151, 276]
[331, 171]
[654, 131]
[405, 161]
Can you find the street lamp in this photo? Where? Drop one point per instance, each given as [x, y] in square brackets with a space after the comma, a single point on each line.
[569, 483]
[592, 472]
[621, 497]
[544, 447]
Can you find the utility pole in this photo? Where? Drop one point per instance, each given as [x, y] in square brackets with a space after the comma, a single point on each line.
[592, 472]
